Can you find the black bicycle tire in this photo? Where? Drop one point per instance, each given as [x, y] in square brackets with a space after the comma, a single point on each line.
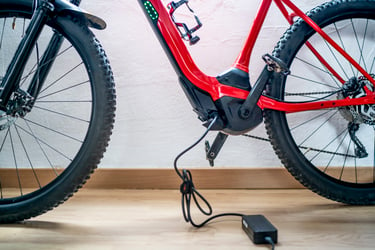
[276, 125]
[100, 127]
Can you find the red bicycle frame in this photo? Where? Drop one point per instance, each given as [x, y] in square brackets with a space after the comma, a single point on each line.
[181, 56]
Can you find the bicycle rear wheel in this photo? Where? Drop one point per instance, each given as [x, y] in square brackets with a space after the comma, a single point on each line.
[330, 151]
[49, 153]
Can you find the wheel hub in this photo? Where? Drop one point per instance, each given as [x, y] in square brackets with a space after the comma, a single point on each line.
[355, 88]
[6, 120]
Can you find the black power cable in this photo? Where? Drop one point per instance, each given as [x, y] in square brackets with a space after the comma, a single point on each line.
[189, 191]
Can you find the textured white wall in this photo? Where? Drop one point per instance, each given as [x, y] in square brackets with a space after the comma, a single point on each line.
[154, 119]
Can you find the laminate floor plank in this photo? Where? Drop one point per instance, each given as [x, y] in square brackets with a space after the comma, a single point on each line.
[152, 219]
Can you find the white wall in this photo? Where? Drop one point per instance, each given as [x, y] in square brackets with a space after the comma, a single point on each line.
[154, 119]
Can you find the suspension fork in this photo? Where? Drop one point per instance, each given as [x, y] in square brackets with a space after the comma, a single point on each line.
[46, 62]
[45, 65]
[10, 82]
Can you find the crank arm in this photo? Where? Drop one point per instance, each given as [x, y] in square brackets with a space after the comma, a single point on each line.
[251, 101]
[273, 65]
[213, 151]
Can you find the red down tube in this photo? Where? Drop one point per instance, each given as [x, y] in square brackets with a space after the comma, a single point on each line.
[185, 62]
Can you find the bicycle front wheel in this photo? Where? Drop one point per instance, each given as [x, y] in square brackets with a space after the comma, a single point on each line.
[330, 151]
[48, 153]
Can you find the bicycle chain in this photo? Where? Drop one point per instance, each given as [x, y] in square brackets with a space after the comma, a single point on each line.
[302, 147]
[328, 93]
[312, 93]
[352, 111]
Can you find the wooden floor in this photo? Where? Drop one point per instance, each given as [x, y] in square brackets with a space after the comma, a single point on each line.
[152, 219]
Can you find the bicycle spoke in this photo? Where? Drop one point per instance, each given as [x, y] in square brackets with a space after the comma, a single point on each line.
[338, 84]
[46, 125]
[1, 149]
[343, 165]
[61, 77]
[343, 46]
[53, 130]
[15, 162]
[62, 114]
[337, 148]
[372, 65]
[64, 89]
[309, 120]
[41, 148]
[314, 81]
[47, 144]
[330, 151]
[67, 101]
[320, 126]
[361, 58]
[323, 150]
[337, 60]
[313, 66]
[27, 156]
[4, 139]
[35, 67]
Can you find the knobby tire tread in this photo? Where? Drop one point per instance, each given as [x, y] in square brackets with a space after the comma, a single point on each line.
[74, 181]
[282, 148]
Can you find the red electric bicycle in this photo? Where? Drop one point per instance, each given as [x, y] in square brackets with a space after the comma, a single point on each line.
[316, 95]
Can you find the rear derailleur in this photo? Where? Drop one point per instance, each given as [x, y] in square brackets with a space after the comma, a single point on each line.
[360, 114]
